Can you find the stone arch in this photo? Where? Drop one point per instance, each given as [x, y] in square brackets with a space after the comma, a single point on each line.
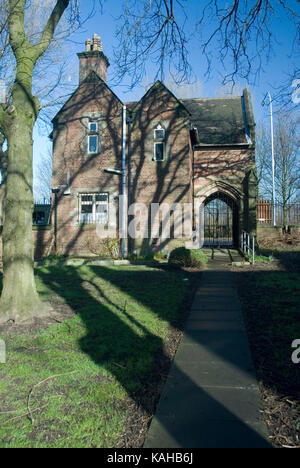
[218, 186]
[219, 192]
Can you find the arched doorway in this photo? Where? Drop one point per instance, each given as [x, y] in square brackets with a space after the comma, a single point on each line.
[220, 220]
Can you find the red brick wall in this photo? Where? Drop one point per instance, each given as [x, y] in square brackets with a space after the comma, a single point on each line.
[165, 181]
[148, 180]
[70, 154]
[177, 179]
[226, 164]
[42, 242]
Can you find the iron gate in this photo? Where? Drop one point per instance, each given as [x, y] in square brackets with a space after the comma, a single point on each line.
[220, 220]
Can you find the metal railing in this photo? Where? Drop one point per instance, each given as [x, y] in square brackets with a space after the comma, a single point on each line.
[248, 244]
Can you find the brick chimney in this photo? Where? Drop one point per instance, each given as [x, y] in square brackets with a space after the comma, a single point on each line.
[93, 59]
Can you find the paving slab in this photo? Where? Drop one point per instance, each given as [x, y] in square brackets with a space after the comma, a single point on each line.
[208, 325]
[216, 373]
[211, 398]
[214, 314]
[199, 304]
[189, 353]
[217, 434]
[210, 403]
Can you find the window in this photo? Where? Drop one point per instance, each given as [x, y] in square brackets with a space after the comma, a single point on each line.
[159, 151]
[159, 144]
[86, 208]
[94, 208]
[93, 137]
[93, 127]
[101, 208]
[159, 133]
[93, 144]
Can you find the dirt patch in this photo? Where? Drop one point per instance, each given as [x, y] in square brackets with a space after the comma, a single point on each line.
[270, 317]
[42, 433]
[61, 312]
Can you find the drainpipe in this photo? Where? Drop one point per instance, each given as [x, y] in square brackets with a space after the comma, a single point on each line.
[129, 196]
[123, 247]
[122, 173]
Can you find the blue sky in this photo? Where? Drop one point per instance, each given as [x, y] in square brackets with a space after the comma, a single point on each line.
[272, 75]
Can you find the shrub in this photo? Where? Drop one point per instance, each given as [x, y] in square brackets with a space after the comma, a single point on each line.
[198, 257]
[182, 257]
[107, 247]
[111, 247]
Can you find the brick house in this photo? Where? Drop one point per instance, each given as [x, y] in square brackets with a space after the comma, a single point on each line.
[190, 152]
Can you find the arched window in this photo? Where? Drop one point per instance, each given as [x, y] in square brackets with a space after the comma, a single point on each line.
[159, 143]
[93, 137]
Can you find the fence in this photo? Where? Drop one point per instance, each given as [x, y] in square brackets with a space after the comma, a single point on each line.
[284, 216]
[42, 201]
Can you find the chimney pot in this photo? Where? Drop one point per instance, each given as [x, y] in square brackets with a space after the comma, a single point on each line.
[88, 45]
[97, 44]
[93, 59]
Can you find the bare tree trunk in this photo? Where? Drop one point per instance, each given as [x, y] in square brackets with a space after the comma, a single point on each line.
[19, 301]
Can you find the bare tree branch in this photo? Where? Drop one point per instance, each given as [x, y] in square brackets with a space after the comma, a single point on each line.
[151, 30]
[50, 27]
[286, 155]
[240, 34]
[17, 37]
[243, 34]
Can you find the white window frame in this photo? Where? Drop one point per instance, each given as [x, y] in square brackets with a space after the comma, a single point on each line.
[93, 134]
[154, 155]
[159, 128]
[93, 218]
[97, 144]
[93, 123]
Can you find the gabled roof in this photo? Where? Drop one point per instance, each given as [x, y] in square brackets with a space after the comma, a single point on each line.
[156, 87]
[92, 78]
[219, 121]
[214, 121]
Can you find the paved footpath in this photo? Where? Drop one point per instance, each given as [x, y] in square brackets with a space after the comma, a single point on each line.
[211, 398]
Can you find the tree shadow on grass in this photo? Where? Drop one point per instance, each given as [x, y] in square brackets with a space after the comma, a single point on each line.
[109, 302]
[116, 338]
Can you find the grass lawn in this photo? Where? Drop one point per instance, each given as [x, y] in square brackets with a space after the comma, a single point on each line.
[79, 381]
[270, 295]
